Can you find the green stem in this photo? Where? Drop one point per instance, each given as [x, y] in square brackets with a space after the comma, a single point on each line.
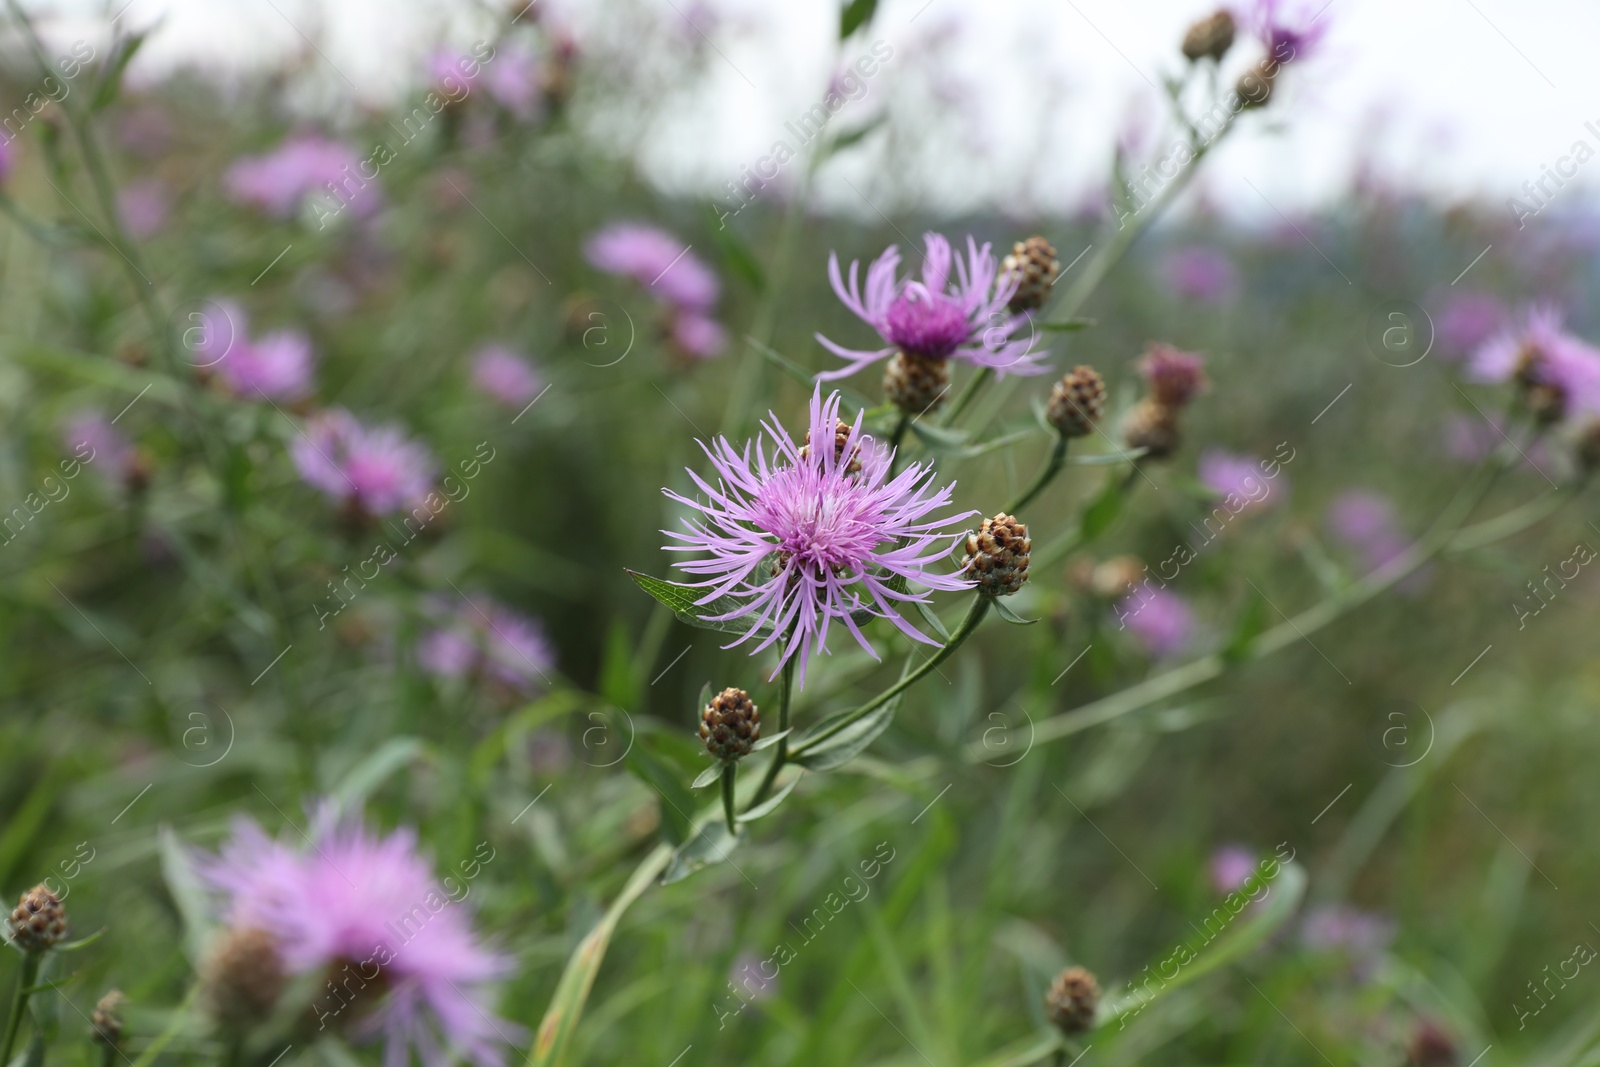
[968, 394]
[1047, 473]
[26, 977]
[730, 772]
[780, 755]
[895, 440]
[980, 608]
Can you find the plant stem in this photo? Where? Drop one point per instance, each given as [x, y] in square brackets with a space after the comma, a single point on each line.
[780, 755]
[975, 614]
[26, 977]
[730, 771]
[1047, 473]
[968, 394]
[895, 440]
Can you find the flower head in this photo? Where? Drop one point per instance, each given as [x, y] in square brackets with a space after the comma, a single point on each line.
[656, 260]
[963, 316]
[276, 367]
[1161, 620]
[143, 206]
[368, 908]
[1288, 35]
[804, 541]
[514, 80]
[377, 469]
[1174, 377]
[1560, 372]
[698, 336]
[1201, 273]
[1229, 474]
[278, 181]
[1467, 321]
[488, 638]
[1230, 867]
[501, 373]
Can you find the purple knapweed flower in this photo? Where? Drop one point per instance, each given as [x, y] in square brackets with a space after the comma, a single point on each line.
[275, 367]
[1357, 935]
[1161, 620]
[107, 450]
[376, 469]
[1201, 273]
[1230, 867]
[698, 336]
[143, 206]
[1230, 474]
[1365, 522]
[658, 261]
[1173, 376]
[514, 81]
[364, 910]
[809, 534]
[963, 317]
[302, 166]
[489, 639]
[502, 374]
[1538, 352]
[1289, 35]
[1466, 321]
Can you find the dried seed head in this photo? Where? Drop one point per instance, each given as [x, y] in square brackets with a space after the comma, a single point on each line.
[105, 1024]
[1033, 262]
[731, 724]
[1431, 1047]
[1255, 85]
[1072, 1000]
[1152, 426]
[1211, 36]
[1588, 447]
[997, 555]
[841, 437]
[38, 921]
[1174, 377]
[915, 384]
[242, 978]
[1077, 402]
[1545, 400]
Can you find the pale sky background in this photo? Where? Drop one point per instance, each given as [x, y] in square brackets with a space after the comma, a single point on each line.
[1454, 98]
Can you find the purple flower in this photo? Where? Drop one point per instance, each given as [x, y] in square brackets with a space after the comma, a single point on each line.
[145, 131]
[8, 160]
[1539, 352]
[491, 639]
[656, 260]
[1173, 376]
[108, 451]
[745, 975]
[513, 80]
[1231, 474]
[1467, 321]
[276, 367]
[1357, 935]
[278, 181]
[502, 374]
[1160, 620]
[376, 469]
[803, 539]
[370, 903]
[1289, 36]
[939, 317]
[1365, 522]
[698, 336]
[1230, 867]
[1201, 273]
[143, 207]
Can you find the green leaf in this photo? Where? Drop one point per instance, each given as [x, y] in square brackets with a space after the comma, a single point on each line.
[770, 805]
[1004, 611]
[847, 140]
[711, 845]
[1099, 516]
[706, 777]
[740, 260]
[82, 942]
[110, 85]
[676, 803]
[188, 892]
[856, 14]
[938, 438]
[768, 742]
[680, 600]
[932, 619]
[362, 780]
[1252, 621]
[619, 685]
[1243, 932]
[850, 742]
[1106, 459]
[1066, 325]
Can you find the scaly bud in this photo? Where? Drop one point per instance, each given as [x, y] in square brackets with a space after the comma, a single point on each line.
[1033, 263]
[1072, 1000]
[1077, 402]
[38, 921]
[731, 724]
[997, 555]
[914, 384]
[242, 978]
[105, 1024]
[1211, 36]
[1152, 426]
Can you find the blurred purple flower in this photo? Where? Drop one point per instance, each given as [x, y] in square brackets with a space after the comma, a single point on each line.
[143, 206]
[1229, 473]
[109, 451]
[305, 164]
[1538, 351]
[447, 72]
[370, 902]
[1365, 522]
[489, 638]
[514, 81]
[804, 540]
[1230, 867]
[1173, 376]
[1338, 928]
[504, 375]
[1161, 620]
[1201, 273]
[275, 367]
[949, 314]
[8, 160]
[656, 260]
[1289, 35]
[1467, 320]
[698, 336]
[146, 131]
[750, 984]
[376, 469]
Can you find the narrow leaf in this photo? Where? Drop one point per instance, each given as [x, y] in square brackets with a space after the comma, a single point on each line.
[711, 774]
[931, 617]
[365, 777]
[770, 805]
[1005, 612]
[188, 892]
[850, 742]
[680, 600]
[1066, 325]
[711, 845]
[768, 742]
[856, 14]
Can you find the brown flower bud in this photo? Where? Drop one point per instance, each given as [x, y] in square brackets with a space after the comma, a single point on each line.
[1033, 263]
[242, 978]
[38, 921]
[1211, 36]
[997, 555]
[105, 1024]
[914, 384]
[1152, 426]
[841, 437]
[1072, 1000]
[1077, 402]
[730, 725]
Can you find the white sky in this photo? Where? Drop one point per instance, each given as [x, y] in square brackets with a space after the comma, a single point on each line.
[1452, 97]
